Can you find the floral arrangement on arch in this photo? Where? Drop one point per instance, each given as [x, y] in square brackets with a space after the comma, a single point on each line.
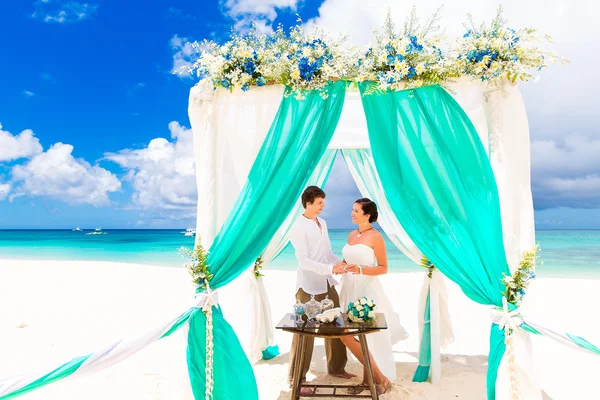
[307, 60]
[408, 59]
[304, 61]
[497, 51]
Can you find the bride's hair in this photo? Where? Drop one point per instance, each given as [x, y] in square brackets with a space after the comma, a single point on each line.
[368, 207]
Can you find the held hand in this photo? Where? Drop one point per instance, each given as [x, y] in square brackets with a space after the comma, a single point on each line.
[352, 269]
[339, 268]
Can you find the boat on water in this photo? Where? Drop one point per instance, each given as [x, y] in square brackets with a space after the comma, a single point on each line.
[78, 229]
[97, 231]
[189, 232]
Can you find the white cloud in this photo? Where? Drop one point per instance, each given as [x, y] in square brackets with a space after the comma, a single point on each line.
[28, 93]
[4, 190]
[184, 55]
[163, 174]
[261, 12]
[23, 145]
[565, 167]
[57, 174]
[60, 11]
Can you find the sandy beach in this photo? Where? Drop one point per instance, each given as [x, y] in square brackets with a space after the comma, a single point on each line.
[51, 311]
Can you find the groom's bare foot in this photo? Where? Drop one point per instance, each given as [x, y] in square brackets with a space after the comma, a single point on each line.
[344, 375]
[306, 391]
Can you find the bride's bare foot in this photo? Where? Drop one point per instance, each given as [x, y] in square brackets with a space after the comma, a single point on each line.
[344, 375]
[384, 387]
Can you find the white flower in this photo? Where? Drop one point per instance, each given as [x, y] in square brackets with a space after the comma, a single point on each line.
[371, 314]
[359, 307]
[363, 301]
[420, 68]
[295, 74]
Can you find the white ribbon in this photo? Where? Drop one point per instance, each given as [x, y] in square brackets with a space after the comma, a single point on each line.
[504, 317]
[205, 300]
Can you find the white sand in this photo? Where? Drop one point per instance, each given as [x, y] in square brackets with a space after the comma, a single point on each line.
[51, 311]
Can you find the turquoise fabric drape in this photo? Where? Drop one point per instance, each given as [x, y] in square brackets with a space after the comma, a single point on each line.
[422, 372]
[281, 239]
[292, 149]
[439, 183]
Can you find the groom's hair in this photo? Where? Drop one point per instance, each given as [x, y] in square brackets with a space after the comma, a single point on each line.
[310, 194]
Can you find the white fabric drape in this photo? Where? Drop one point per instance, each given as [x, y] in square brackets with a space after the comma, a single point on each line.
[229, 129]
[262, 331]
[498, 112]
[508, 144]
[362, 168]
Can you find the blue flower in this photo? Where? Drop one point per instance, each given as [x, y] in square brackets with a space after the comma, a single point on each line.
[228, 56]
[413, 46]
[469, 32]
[260, 81]
[399, 57]
[225, 83]
[390, 49]
[390, 60]
[411, 72]
[308, 69]
[249, 66]
[245, 87]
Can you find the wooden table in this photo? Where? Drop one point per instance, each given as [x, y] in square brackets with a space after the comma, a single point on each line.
[336, 329]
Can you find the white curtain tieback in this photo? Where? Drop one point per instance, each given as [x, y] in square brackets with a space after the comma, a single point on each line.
[503, 317]
[205, 300]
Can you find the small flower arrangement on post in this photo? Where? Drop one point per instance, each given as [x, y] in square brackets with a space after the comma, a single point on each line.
[196, 263]
[425, 263]
[518, 282]
[496, 51]
[409, 59]
[362, 310]
[258, 266]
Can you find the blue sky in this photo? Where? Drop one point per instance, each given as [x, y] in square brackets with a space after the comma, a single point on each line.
[94, 127]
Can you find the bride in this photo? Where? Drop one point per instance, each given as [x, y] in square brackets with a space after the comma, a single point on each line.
[366, 258]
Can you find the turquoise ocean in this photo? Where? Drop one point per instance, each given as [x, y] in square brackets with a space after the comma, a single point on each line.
[565, 253]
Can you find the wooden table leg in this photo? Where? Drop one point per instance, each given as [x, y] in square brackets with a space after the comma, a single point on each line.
[369, 368]
[299, 358]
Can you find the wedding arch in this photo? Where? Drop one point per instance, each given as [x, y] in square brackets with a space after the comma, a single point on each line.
[440, 142]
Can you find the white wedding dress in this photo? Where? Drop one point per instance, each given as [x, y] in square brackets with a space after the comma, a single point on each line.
[355, 286]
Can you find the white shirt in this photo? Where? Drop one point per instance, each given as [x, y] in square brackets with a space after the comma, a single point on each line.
[315, 258]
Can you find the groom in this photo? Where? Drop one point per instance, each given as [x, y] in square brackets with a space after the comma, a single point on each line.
[317, 263]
